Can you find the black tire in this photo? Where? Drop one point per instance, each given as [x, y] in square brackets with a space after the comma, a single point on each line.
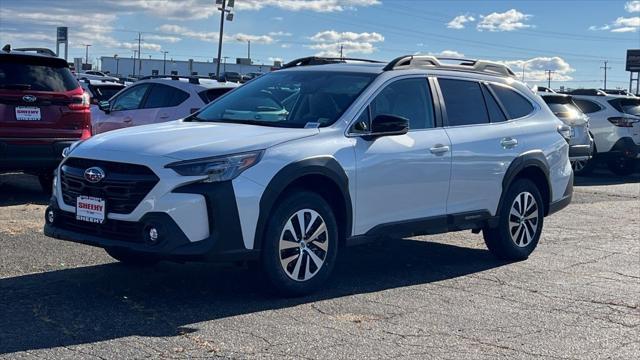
[46, 182]
[132, 258]
[277, 274]
[586, 169]
[622, 166]
[499, 240]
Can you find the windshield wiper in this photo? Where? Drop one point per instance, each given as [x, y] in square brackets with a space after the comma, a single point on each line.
[15, 86]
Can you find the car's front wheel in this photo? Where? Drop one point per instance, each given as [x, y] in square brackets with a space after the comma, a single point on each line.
[300, 244]
[520, 223]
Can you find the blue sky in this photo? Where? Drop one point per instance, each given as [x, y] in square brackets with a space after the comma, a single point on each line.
[570, 37]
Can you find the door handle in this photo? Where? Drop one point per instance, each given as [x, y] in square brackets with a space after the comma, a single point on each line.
[164, 116]
[439, 149]
[508, 142]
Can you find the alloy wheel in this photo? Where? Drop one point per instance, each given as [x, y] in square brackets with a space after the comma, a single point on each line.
[578, 165]
[523, 219]
[303, 245]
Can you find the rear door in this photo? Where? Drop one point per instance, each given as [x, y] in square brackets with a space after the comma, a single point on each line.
[483, 145]
[40, 99]
[162, 104]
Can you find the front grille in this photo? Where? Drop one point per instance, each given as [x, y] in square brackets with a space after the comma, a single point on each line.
[123, 188]
[128, 231]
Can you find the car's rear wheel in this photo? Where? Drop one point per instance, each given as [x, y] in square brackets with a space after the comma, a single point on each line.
[300, 245]
[622, 166]
[132, 258]
[583, 167]
[520, 223]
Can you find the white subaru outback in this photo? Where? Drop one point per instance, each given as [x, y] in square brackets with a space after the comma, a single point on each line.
[295, 164]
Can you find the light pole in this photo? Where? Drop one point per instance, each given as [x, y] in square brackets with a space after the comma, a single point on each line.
[229, 15]
[115, 57]
[164, 63]
[135, 53]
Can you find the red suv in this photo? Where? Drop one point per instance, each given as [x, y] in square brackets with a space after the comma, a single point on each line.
[43, 109]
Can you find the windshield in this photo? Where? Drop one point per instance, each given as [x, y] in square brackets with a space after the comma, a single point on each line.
[288, 99]
[627, 106]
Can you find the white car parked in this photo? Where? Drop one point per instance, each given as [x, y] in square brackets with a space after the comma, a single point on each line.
[155, 100]
[359, 150]
[615, 125]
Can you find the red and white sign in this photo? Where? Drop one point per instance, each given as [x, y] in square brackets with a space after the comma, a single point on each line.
[90, 209]
[27, 113]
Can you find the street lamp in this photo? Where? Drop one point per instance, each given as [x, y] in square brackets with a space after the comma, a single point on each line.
[164, 63]
[229, 16]
[115, 57]
[86, 56]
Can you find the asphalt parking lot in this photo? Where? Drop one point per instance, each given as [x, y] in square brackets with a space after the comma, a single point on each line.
[577, 297]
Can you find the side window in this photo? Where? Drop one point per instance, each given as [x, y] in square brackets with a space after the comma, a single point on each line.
[464, 102]
[495, 112]
[587, 106]
[164, 96]
[515, 104]
[208, 96]
[130, 99]
[408, 98]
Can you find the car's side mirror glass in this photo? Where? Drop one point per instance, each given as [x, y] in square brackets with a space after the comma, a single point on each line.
[388, 125]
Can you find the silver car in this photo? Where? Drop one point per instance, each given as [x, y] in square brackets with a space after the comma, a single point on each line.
[581, 143]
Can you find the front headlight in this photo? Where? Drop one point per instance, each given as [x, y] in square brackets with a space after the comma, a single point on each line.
[221, 168]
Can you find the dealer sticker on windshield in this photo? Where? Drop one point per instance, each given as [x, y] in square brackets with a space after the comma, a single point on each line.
[90, 209]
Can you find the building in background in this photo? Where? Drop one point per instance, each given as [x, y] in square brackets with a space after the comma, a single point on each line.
[121, 66]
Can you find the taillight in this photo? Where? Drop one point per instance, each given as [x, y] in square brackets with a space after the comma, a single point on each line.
[79, 102]
[565, 131]
[621, 121]
[86, 133]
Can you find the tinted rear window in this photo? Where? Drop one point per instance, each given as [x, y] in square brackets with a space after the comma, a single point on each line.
[627, 106]
[464, 102]
[102, 93]
[515, 104]
[165, 96]
[31, 73]
[209, 95]
[562, 106]
[587, 106]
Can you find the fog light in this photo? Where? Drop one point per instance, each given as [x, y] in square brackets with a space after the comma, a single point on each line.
[51, 216]
[153, 234]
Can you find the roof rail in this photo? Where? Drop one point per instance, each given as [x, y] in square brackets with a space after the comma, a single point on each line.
[592, 92]
[319, 60]
[430, 61]
[192, 79]
[40, 51]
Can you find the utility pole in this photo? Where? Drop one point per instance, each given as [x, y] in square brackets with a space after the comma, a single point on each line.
[135, 54]
[605, 67]
[86, 54]
[115, 57]
[549, 72]
[139, 53]
[249, 50]
[524, 64]
[164, 63]
[341, 49]
[229, 15]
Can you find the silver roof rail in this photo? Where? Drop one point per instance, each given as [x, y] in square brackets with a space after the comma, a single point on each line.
[433, 62]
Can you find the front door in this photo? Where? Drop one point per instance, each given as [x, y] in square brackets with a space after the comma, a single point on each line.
[406, 177]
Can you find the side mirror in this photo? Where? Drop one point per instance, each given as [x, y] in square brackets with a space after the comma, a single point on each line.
[388, 125]
[105, 106]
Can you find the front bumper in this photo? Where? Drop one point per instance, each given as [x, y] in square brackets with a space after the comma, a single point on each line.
[580, 152]
[223, 244]
[31, 157]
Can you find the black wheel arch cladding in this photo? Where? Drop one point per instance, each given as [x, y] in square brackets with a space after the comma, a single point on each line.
[530, 160]
[325, 167]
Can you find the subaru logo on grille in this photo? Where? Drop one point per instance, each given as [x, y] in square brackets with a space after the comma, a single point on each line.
[29, 98]
[94, 174]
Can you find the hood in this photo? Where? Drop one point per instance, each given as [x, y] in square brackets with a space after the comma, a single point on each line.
[192, 140]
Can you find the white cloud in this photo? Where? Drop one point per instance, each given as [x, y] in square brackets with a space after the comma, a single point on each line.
[534, 68]
[309, 5]
[330, 42]
[334, 36]
[632, 6]
[274, 59]
[280, 33]
[448, 53]
[621, 25]
[458, 21]
[144, 45]
[163, 38]
[507, 21]
[170, 9]
[213, 36]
